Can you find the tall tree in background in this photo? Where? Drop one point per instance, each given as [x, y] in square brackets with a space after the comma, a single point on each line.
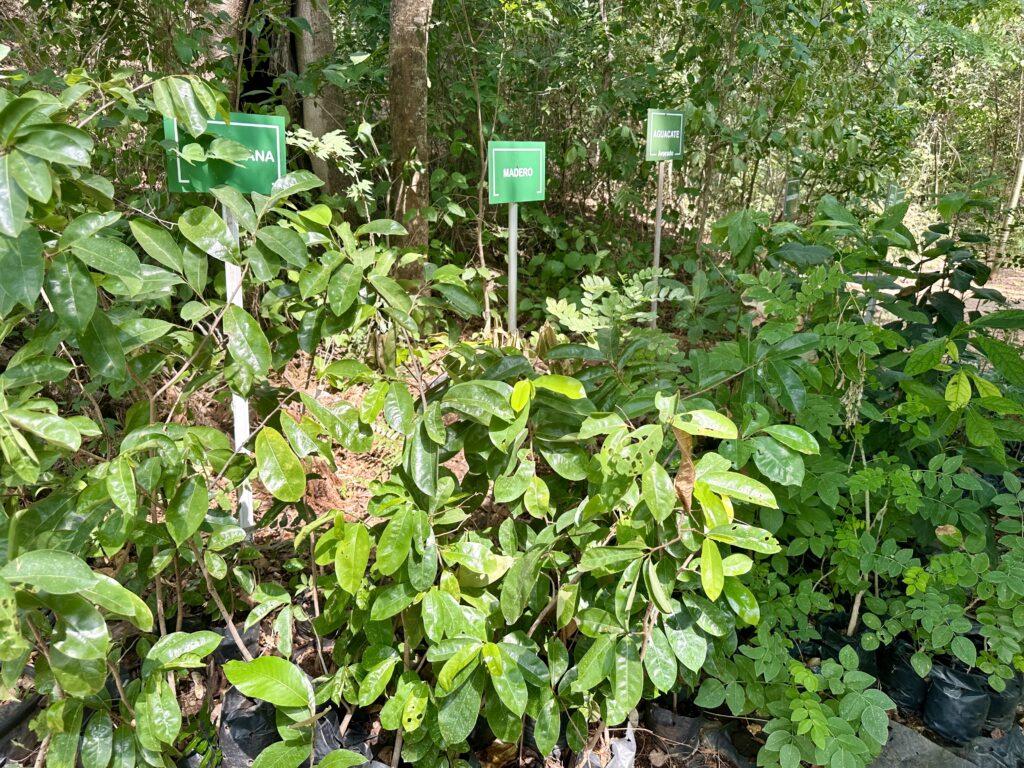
[410, 20]
[322, 110]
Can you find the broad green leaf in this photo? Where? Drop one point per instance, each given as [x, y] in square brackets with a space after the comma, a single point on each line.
[712, 578]
[596, 664]
[278, 467]
[46, 426]
[391, 600]
[964, 650]
[737, 486]
[157, 714]
[392, 293]
[71, 291]
[399, 409]
[205, 229]
[120, 484]
[97, 741]
[158, 243]
[746, 537]
[609, 559]
[506, 677]
[50, 570]
[342, 758]
[454, 669]
[777, 462]
[343, 288]
[13, 201]
[562, 385]
[376, 680]
[742, 601]
[286, 243]
[382, 227]
[711, 694]
[21, 264]
[170, 650]
[108, 593]
[64, 740]
[81, 631]
[659, 660]
[283, 754]
[706, 423]
[548, 725]
[235, 202]
[480, 401]
[246, 341]
[627, 680]
[32, 174]
[459, 711]
[351, 555]
[111, 257]
[1005, 358]
[395, 542]
[925, 357]
[273, 679]
[875, 723]
[688, 644]
[958, 390]
[187, 509]
[658, 491]
[101, 349]
[794, 437]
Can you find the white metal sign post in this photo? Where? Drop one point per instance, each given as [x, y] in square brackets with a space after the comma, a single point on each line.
[515, 175]
[263, 135]
[239, 405]
[664, 144]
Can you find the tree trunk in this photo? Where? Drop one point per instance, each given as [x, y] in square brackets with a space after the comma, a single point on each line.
[410, 20]
[322, 111]
[1011, 209]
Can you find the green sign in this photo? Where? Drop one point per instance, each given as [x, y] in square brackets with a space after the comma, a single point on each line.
[515, 171]
[262, 135]
[664, 134]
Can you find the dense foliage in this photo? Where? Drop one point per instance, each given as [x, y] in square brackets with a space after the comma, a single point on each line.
[814, 444]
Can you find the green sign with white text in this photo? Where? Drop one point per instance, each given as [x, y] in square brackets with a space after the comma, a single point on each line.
[515, 171]
[664, 134]
[196, 166]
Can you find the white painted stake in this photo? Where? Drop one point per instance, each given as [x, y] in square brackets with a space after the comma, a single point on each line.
[657, 239]
[239, 405]
[513, 266]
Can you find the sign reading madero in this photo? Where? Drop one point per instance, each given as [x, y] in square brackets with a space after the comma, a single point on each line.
[664, 135]
[515, 171]
[263, 135]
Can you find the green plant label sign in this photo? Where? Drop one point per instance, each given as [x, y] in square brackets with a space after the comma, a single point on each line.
[198, 168]
[515, 171]
[664, 134]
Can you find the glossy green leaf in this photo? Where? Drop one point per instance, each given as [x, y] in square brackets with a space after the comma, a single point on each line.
[111, 257]
[351, 555]
[286, 243]
[273, 679]
[71, 291]
[50, 570]
[21, 262]
[712, 578]
[278, 467]
[658, 491]
[742, 601]
[247, 343]
[205, 229]
[187, 509]
[97, 741]
[561, 385]
[740, 487]
[101, 349]
[794, 437]
[13, 201]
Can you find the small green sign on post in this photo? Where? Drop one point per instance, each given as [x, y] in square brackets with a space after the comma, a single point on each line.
[515, 171]
[262, 135]
[515, 174]
[664, 144]
[664, 134]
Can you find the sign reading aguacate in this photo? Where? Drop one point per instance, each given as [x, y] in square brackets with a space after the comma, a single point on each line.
[263, 135]
[664, 134]
[515, 171]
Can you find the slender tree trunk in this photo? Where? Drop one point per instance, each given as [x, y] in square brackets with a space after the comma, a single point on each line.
[1018, 183]
[410, 21]
[322, 111]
